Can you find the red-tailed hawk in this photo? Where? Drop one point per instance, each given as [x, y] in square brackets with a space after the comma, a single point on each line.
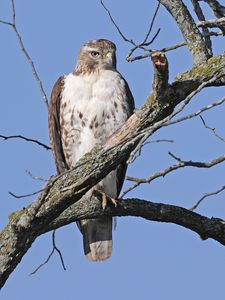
[86, 107]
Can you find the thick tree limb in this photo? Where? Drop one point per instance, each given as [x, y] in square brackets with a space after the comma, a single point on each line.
[66, 189]
[189, 29]
[205, 227]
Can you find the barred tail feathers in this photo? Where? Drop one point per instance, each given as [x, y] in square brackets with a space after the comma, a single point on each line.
[97, 238]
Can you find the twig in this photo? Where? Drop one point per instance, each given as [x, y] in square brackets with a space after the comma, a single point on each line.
[174, 156]
[192, 94]
[26, 195]
[215, 33]
[158, 141]
[137, 151]
[205, 196]
[212, 23]
[35, 177]
[26, 139]
[170, 48]
[178, 165]
[139, 45]
[181, 44]
[34, 71]
[117, 27]
[197, 113]
[145, 43]
[6, 23]
[154, 37]
[212, 129]
[54, 248]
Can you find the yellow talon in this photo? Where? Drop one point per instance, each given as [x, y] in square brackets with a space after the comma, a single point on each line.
[105, 198]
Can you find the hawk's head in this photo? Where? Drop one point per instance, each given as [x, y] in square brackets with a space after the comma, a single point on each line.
[96, 55]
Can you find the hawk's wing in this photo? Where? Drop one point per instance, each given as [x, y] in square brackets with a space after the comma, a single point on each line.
[54, 127]
[121, 169]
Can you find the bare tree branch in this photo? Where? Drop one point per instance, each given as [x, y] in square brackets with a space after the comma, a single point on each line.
[188, 28]
[145, 41]
[25, 52]
[26, 139]
[138, 150]
[197, 113]
[205, 196]
[201, 17]
[207, 228]
[54, 248]
[159, 141]
[163, 173]
[169, 48]
[212, 23]
[6, 23]
[199, 44]
[212, 129]
[117, 27]
[219, 11]
[35, 177]
[26, 195]
[141, 45]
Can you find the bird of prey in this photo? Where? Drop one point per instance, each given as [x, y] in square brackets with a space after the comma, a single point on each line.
[87, 106]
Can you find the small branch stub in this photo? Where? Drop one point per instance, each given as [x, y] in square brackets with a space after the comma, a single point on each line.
[161, 75]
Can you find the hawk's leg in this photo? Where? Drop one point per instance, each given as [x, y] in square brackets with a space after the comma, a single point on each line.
[104, 198]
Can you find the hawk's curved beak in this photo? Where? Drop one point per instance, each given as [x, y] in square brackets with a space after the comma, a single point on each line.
[108, 57]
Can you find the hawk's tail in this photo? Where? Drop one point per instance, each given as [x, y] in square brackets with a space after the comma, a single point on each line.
[97, 238]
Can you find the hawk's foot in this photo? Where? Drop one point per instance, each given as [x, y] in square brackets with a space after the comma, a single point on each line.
[105, 199]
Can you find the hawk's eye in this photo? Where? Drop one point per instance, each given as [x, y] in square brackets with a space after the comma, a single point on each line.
[95, 54]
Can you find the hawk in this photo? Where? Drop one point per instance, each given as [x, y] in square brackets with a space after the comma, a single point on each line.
[86, 107]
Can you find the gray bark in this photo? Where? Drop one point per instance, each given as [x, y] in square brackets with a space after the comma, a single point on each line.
[189, 29]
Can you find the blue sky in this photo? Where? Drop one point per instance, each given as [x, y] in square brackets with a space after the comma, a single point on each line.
[150, 260]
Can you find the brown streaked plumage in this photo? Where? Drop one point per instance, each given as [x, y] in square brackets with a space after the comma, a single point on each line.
[86, 107]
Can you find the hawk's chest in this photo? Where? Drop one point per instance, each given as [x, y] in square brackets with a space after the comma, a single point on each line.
[92, 108]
